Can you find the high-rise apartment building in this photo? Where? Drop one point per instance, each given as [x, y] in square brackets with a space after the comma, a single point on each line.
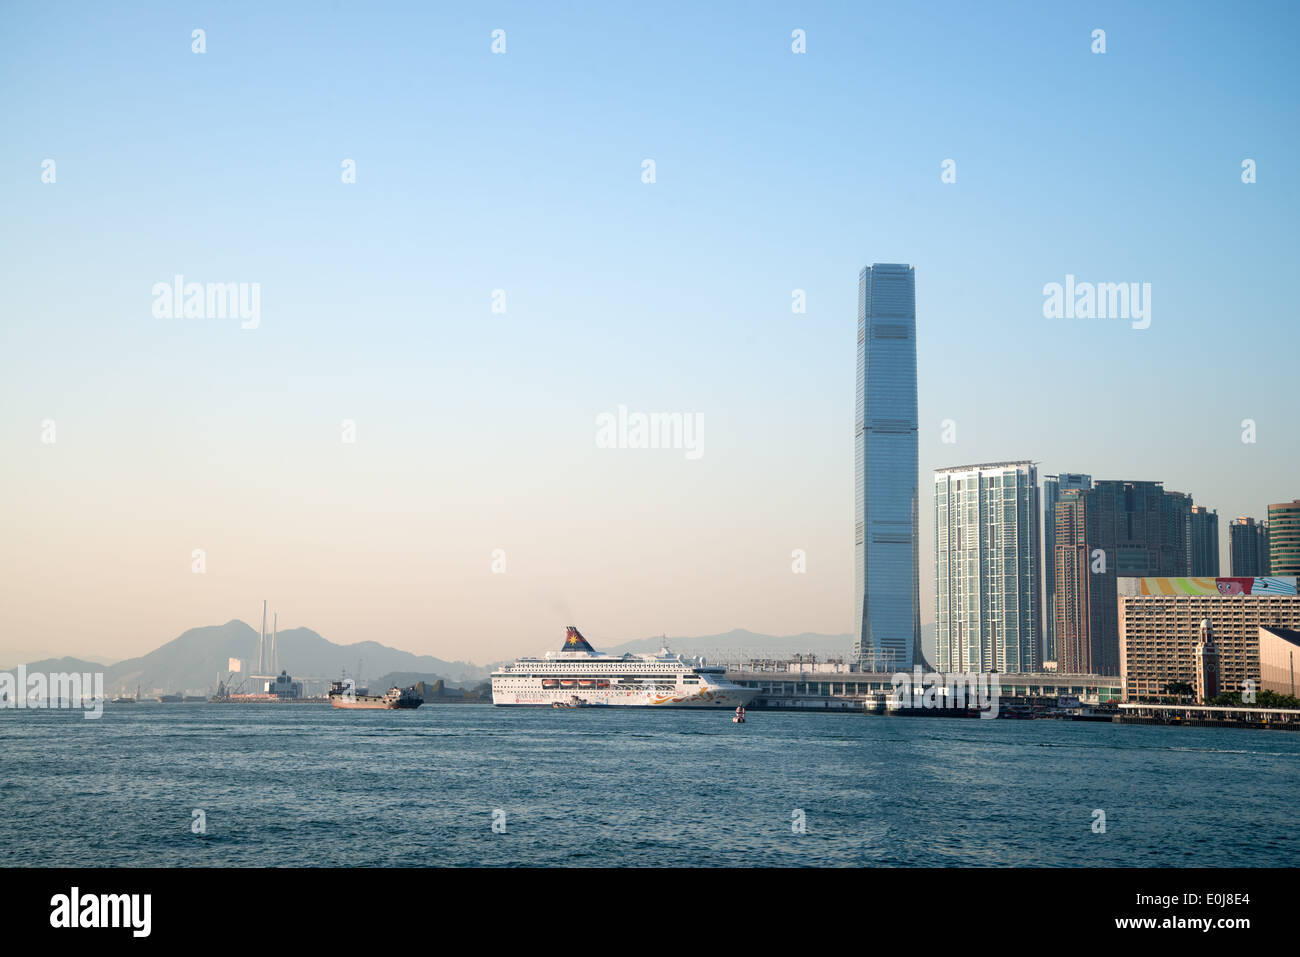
[1203, 542]
[887, 609]
[987, 568]
[1115, 529]
[1073, 596]
[1180, 504]
[1284, 538]
[1052, 487]
[1248, 548]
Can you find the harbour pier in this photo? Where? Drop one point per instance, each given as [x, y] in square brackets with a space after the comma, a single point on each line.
[797, 685]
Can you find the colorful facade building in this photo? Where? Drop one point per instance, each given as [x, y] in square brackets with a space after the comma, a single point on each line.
[1162, 620]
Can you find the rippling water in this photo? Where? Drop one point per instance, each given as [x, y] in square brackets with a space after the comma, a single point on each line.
[309, 785]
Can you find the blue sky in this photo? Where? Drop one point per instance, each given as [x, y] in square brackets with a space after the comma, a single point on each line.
[522, 172]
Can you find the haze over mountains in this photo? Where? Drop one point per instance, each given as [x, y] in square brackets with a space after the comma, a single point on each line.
[196, 659]
[740, 643]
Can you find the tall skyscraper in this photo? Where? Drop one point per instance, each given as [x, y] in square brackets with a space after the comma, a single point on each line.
[1114, 529]
[986, 568]
[1203, 542]
[1180, 525]
[887, 611]
[1284, 538]
[1052, 487]
[1248, 548]
[1073, 596]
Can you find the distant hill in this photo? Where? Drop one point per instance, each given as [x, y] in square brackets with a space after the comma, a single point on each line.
[310, 654]
[56, 665]
[195, 659]
[190, 661]
[404, 679]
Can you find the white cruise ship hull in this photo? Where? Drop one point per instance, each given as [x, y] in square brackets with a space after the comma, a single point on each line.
[508, 690]
[578, 676]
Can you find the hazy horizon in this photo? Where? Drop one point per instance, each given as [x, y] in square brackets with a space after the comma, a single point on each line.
[477, 431]
[604, 644]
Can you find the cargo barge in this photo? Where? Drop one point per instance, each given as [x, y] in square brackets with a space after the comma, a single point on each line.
[344, 694]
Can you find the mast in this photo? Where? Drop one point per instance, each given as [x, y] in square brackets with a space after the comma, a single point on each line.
[261, 643]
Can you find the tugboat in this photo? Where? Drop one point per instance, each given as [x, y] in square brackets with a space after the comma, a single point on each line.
[739, 716]
[573, 702]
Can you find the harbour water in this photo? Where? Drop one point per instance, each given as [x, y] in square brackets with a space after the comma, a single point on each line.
[313, 786]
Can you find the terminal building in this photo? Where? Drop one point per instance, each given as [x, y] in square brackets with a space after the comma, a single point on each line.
[1279, 660]
[839, 686]
[1163, 622]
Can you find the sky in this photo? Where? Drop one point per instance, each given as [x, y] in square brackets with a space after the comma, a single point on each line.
[475, 514]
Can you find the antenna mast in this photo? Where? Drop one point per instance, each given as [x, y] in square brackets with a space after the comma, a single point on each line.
[261, 643]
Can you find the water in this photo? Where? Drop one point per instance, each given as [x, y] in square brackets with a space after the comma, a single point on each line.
[309, 785]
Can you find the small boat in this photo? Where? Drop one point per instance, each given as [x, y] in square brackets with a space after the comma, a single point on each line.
[573, 702]
[738, 717]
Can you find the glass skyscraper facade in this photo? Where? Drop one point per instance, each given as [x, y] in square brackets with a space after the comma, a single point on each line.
[1203, 542]
[1248, 548]
[1113, 530]
[987, 568]
[1053, 485]
[886, 546]
[1283, 538]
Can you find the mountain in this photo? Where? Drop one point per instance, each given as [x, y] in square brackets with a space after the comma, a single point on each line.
[197, 658]
[64, 665]
[311, 654]
[189, 662]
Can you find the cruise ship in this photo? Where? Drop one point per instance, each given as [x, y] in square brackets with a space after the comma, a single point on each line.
[577, 671]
